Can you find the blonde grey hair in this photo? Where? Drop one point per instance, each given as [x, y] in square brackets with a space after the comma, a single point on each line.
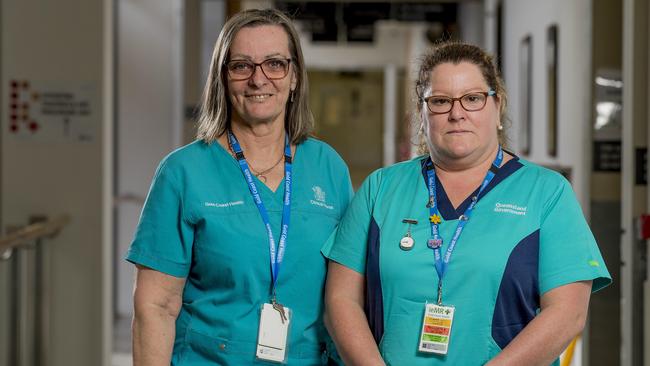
[215, 110]
[456, 52]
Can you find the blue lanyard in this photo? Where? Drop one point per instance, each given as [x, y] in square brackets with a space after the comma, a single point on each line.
[276, 259]
[435, 242]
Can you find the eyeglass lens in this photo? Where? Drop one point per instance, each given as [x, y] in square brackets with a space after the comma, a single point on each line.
[274, 68]
[470, 102]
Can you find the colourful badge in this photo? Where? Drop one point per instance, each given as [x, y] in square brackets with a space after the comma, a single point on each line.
[434, 243]
[436, 329]
[435, 218]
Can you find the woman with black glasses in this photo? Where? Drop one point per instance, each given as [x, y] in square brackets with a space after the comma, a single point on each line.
[229, 269]
[466, 255]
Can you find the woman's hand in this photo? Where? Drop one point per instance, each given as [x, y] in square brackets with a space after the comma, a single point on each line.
[157, 299]
[563, 315]
[345, 318]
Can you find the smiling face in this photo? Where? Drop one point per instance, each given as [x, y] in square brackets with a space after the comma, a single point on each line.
[258, 99]
[460, 136]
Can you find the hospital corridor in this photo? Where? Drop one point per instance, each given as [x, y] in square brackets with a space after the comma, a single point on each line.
[96, 93]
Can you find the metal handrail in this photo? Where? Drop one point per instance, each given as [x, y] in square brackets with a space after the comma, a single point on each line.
[33, 232]
[28, 259]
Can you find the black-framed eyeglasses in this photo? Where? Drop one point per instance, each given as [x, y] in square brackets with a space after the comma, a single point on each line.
[471, 102]
[272, 68]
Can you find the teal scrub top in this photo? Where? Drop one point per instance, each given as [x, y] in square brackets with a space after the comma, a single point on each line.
[526, 236]
[200, 222]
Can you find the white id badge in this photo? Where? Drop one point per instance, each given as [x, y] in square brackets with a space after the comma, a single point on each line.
[436, 329]
[273, 332]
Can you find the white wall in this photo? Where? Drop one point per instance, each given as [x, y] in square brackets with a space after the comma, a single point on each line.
[522, 17]
[149, 85]
[573, 18]
[490, 25]
[62, 47]
[471, 19]
[213, 14]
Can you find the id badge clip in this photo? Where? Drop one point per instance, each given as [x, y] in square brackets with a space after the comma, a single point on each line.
[436, 329]
[273, 333]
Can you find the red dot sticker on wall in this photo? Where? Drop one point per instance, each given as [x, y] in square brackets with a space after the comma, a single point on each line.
[19, 107]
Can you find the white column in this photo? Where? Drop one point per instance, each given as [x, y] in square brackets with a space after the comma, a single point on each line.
[627, 187]
[178, 72]
[390, 111]
[213, 14]
[646, 285]
[490, 26]
[634, 197]
[108, 189]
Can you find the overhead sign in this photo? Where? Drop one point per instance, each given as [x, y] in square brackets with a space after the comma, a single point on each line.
[52, 111]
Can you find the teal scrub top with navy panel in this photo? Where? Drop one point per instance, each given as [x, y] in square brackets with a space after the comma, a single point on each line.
[527, 235]
[200, 222]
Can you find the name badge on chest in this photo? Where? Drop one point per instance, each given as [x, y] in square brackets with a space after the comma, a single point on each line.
[436, 329]
[273, 333]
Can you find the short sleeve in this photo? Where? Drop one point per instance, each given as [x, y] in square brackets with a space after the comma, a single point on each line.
[348, 245]
[163, 239]
[347, 191]
[568, 250]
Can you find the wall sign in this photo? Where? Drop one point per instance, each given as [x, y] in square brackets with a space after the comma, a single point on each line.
[607, 156]
[641, 166]
[51, 111]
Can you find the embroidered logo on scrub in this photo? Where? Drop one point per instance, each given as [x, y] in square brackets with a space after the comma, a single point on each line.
[320, 198]
[224, 204]
[510, 208]
[594, 263]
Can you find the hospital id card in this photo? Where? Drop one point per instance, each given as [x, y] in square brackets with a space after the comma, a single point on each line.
[273, 332]
[436, 329]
